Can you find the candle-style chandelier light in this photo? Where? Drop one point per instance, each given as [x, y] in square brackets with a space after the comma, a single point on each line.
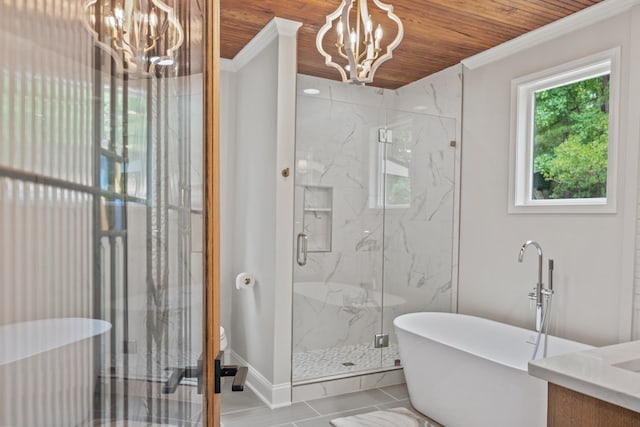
[140, 34]
[358, 45]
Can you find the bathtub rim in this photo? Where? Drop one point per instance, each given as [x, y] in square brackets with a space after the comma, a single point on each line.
[400, 323]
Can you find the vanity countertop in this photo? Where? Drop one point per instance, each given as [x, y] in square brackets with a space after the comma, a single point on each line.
[610, 373]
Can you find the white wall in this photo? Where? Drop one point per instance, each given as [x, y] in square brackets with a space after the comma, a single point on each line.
[258, 140]
[227, 195]
[593, 253]
[255, 209]
[634, 134]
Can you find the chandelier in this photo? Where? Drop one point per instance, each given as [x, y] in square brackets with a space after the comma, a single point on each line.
[139, 34]
[356, 41]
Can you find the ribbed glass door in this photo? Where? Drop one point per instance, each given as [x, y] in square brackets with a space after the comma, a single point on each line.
[101, 214]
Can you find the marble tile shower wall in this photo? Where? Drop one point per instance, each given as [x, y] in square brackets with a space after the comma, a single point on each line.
[338, 294]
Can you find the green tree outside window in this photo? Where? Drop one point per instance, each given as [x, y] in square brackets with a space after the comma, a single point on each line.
[571, 128]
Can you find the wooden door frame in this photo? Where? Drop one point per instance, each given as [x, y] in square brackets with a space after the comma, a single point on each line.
[211, 236]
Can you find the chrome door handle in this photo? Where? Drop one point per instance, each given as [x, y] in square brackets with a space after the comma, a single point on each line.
[301, 252]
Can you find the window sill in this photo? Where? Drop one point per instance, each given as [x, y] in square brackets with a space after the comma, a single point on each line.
[564, 206]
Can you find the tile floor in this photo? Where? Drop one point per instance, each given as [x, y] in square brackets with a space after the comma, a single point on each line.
[243, 409]
[141, 403]
[247, 410]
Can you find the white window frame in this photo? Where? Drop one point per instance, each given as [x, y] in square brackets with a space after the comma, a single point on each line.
[523, 92]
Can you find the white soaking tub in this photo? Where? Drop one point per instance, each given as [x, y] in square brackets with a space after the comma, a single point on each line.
[468, 371]
[47, 372]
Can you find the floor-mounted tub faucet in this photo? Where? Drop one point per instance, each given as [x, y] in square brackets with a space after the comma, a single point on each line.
[538, 291]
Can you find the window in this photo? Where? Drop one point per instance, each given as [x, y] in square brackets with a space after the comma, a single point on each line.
[565, 137]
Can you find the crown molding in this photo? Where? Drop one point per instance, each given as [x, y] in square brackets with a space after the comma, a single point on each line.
[584, 18]
[276, 27]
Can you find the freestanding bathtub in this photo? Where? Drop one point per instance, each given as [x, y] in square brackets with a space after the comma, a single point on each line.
[47, 372]
[467, 371]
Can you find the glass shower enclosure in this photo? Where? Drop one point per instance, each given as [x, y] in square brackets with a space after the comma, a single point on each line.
[374, 209]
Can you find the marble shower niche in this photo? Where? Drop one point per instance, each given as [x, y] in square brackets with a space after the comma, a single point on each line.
[375, 206]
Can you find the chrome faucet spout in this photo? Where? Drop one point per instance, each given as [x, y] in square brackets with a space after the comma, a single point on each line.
[539, 249]
[539, 283]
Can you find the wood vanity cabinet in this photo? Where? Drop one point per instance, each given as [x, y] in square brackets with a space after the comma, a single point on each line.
[568, 408]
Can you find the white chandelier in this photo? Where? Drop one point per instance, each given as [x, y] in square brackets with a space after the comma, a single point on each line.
[362, 50]
[140, 34]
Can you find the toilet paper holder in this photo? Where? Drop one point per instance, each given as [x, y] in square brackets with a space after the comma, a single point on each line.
[245, 280]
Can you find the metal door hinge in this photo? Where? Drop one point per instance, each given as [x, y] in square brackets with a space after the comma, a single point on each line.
[381, 340]
[385, 135]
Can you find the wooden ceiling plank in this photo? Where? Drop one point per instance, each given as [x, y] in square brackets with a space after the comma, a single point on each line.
[507, 13]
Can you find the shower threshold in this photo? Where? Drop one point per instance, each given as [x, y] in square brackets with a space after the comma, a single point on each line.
[296, 383]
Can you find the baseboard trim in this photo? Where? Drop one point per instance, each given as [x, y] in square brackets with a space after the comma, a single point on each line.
[273, 395]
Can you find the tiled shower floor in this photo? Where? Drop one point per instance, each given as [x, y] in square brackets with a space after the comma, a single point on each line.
[342, 360]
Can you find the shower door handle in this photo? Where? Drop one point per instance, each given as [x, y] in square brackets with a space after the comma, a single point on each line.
[301, 250]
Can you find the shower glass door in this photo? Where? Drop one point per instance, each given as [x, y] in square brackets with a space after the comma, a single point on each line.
[101, 220]
[337, 289]
[374, 220]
